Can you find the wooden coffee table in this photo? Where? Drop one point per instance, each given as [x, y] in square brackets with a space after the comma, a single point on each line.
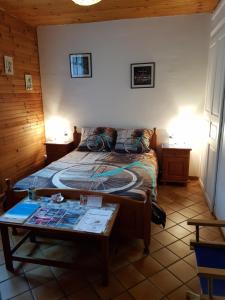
[56, 233]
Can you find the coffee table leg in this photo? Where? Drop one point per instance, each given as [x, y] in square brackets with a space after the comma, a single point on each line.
[105, 260]
[7, 248]
[32, 237]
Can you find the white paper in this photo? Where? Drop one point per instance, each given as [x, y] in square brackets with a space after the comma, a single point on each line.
[94, 201]
[100, 212]
[95, 220]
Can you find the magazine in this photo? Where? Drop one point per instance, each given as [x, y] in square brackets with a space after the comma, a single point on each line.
[72, 215]
[20, 212]
[69, 214]
[57, 217]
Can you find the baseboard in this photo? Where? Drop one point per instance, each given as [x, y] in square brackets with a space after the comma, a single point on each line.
[201, 184]
[193, 177]
[205, 195]
[207, 201]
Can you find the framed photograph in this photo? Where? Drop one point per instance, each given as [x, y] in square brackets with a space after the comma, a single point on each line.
[28, 82]
[81, 65]
[143, 75]
[8, 62]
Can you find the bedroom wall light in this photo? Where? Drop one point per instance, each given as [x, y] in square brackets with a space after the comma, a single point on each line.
[57, 129]
[86, 2]
[186, 127]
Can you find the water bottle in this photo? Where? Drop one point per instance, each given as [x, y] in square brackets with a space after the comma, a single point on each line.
[32, 189]
[32, 193]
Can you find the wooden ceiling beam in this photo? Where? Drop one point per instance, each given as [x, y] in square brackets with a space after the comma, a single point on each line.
[52, 12]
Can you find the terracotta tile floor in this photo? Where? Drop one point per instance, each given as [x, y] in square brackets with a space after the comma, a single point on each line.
[167, 273]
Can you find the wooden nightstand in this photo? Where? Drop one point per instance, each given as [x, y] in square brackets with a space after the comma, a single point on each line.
[175, 163]
[55, 150]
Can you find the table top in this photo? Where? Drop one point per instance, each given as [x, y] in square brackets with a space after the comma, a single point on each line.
[176, 146]
[67, 217]
[59, 142]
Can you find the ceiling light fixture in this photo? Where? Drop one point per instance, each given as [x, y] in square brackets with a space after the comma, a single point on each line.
[86, 2]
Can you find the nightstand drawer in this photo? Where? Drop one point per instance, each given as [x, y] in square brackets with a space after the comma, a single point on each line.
[175, 164]
[56, 151]
[176, 152]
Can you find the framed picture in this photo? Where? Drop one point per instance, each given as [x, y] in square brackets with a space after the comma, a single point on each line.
[8, 62]
[28, 82]
[143, 75]
[81, 65]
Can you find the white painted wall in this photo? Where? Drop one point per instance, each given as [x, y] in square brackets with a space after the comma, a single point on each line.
[179, 47]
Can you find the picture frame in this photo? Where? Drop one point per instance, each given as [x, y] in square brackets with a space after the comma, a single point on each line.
[8, 64]
[143, 75]
[28, 82]
[81, 65]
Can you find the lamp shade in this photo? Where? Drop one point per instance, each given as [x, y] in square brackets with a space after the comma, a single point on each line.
[86, 2]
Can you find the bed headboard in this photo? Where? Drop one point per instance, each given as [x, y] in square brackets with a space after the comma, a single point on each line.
[153, 141]
[77, 136]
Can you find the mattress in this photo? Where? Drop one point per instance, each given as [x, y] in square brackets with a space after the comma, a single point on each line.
[124, 174]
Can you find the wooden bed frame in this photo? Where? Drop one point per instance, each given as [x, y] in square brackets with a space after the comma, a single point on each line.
[134, 218]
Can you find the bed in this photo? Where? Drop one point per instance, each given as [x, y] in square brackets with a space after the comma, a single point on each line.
[130, 178]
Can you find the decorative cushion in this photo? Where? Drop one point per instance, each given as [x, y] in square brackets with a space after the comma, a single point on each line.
[133, 140]
[97, 139]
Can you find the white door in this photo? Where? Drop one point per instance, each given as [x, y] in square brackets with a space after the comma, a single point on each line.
[219, 208]
[213, 105]
[220, 183]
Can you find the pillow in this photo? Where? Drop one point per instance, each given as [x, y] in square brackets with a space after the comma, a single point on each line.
[97, 139]
[133, 140]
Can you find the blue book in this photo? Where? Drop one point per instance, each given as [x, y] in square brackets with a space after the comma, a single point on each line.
[20, 212]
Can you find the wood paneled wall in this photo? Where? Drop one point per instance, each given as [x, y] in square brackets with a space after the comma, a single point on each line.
[21, 113]
[52, 12]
